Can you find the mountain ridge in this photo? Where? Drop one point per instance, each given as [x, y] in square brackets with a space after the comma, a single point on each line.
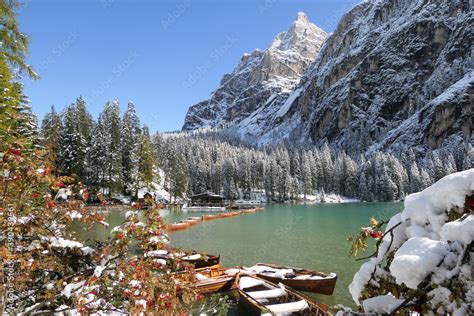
[388, 64]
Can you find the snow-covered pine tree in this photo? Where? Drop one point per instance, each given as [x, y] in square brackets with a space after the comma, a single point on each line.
[130, 141]
[97, 157]
[307, 177]
[362, 189]
[72, 149]
[111, 123]
[85, 126]
[326, 168]
[415, 178]
[146, 161]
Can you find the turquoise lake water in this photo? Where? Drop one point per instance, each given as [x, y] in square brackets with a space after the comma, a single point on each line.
[307, 236]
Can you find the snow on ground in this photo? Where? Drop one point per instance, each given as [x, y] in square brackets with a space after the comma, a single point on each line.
[319, 197]
[425, 247]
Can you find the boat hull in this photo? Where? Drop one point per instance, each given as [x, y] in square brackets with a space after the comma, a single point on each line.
[192, 222]
[250, 211]
[178, 226]
[255, 308]
[209, 217]
[324, 286]
[214, 286]
[202, 263]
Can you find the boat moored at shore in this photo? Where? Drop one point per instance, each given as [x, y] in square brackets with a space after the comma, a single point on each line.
[296, 278]
[259, 296]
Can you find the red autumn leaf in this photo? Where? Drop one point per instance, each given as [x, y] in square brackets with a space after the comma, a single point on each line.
[150, 303]
[120, 236]
[51, 204]
[85, 196]
[35, 195]
[60, 185]
[132, 263]
[376, 234]
[14, 151]
[199, 297]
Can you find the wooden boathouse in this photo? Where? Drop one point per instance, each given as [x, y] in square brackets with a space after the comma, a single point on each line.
[208, 199]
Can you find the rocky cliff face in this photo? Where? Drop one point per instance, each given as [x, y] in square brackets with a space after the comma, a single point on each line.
[260, 77]
[394, 73]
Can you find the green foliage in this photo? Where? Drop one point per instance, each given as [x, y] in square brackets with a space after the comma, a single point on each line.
[50, 134]
[14, 43]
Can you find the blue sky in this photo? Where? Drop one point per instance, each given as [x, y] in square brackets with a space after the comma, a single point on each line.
[163, 55]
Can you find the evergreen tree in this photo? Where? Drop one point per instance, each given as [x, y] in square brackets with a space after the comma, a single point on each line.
[415, 178]
[72, 149]
[130, 143]
[97, 157]
[362, 189]
[111, 126]
[50, 134]
[426, 179]
[306, 175]
[146, 164]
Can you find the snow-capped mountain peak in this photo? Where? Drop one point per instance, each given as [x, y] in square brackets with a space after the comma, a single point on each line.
[259, 77]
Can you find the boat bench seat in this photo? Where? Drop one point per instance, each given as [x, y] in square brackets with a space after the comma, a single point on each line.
[246, 282]
[267, 294]
[192, 257]
[201, 277]
[287, 308]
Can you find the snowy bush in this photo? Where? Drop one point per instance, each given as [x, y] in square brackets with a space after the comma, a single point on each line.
[423, 260]
[47, 270]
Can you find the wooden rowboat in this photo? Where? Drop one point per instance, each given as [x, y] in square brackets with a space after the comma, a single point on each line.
[178, 226]
[193, 220]
[208, 280]
[253, 210]
[296, 278]
[209, 217]
[193, 257]
[201, 260]
[213, 280]
[259, 296]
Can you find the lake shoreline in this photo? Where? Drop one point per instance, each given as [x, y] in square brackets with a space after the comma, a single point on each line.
[311, 236]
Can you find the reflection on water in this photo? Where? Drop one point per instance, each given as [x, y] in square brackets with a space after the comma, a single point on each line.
[307, 236]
